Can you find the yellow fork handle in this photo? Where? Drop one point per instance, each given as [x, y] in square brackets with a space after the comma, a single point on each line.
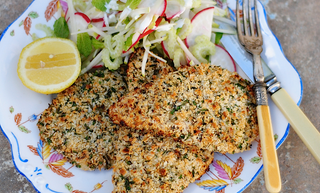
[269, 154]
[299, 122]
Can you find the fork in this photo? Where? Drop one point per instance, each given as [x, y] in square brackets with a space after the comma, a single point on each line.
[253, 44]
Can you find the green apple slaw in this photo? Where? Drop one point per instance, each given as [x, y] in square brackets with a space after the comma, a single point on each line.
[107, 31]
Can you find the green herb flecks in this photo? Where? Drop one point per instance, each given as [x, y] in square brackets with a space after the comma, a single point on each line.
[127, 183]
[177, 108]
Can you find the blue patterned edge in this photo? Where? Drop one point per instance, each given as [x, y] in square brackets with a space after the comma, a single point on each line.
[258, 172]
[13, 160]
[22, 160]
[288, 127]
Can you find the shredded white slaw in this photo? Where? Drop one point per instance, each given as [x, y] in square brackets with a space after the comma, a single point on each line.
[147, 22]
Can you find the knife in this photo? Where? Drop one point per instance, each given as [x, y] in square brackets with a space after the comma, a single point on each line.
[297, 119]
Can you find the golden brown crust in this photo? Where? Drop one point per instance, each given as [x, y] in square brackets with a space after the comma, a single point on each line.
[147, 163]
[205, 106]
[154, 69]
[76, 123]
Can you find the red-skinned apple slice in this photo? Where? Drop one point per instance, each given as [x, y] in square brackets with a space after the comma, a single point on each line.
[223, 58]
[97, 19]
[201, 25]
[82, 20]
[164, 47]
[157, 7]
[99, 23]
[147, 32]
[98, 66]
[174, 9]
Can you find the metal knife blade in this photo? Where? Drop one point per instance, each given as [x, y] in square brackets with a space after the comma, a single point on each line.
[242, 57]
[297, 119]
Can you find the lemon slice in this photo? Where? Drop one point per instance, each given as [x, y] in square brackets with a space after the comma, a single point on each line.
[49, 65]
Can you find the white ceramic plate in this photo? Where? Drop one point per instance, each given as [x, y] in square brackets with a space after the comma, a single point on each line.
[48, 172]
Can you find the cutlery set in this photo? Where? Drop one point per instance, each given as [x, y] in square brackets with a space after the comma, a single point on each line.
[246, 48]
[251, 40]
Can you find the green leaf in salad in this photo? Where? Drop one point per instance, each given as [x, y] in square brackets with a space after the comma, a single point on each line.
[84, 44]
[218, 37]
[128, 42]
[133, 3]
[100, 4]
[97, 44]
[126, 21]
[60, 28]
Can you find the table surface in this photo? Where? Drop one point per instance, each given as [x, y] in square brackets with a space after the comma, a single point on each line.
[297, 26]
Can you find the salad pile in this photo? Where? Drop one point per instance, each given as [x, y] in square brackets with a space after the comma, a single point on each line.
[107, 31]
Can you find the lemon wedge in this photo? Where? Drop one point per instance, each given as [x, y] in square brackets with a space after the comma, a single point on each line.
[49, 65]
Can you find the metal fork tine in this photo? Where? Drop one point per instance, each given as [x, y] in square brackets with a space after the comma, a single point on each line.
[250, 19]
[244, 11]
[257, 19]
[238, 20]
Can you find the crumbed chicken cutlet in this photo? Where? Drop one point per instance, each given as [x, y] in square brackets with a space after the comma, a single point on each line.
[154, 69]
[147, 163]
[76, 123]
[203, 106]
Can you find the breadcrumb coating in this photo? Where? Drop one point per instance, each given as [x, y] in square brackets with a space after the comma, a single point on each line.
[76, 123]
[203, 106]
[147, 163]
[154, 69]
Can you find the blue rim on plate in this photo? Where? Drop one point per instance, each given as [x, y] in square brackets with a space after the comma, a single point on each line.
[280, 142]
[13, 160]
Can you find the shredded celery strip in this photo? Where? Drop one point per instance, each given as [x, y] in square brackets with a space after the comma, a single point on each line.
[46, 29]
[203, 48]
[193, 59]
[114, 44]
[111, 65]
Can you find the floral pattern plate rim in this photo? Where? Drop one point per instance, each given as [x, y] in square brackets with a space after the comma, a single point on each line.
[49, 172]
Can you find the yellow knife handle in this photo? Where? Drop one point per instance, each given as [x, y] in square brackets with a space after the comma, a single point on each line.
[299, 122]
[269, 154]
